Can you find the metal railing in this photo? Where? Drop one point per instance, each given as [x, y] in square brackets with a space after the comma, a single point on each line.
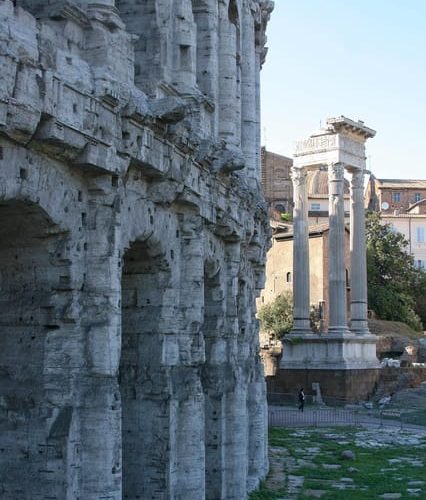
[283, 411]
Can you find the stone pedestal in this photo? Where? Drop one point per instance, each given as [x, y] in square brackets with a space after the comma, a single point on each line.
[329, 352]
[339, 385]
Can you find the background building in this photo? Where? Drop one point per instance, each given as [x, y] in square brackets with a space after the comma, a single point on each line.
[276, 181]
[279, 268]
[390, 195]
[317, 188]
[402, 203]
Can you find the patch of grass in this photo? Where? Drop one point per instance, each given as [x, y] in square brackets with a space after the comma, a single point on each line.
[374, 471]
[264, 494]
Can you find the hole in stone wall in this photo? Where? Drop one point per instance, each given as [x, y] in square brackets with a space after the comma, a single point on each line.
[23, 173]
[185, 57]
[28, 273]
[1, 153]
[233, 12]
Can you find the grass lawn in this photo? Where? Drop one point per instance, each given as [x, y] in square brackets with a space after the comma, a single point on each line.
[308, 463]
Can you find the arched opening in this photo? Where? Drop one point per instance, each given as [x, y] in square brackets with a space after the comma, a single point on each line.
[35, 423]
[212, 381]
[143, 380]
[288, 277]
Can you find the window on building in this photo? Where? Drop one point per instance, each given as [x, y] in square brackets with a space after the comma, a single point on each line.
[417, 197]
[288, 277]
[420, 264]
[396, 197]
[315, 207]
[420, 234]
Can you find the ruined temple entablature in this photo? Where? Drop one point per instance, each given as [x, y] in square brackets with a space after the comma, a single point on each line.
[342, 141]
[133, 236]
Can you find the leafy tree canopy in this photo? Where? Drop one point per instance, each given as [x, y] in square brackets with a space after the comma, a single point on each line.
[276, 318]
[393, 280]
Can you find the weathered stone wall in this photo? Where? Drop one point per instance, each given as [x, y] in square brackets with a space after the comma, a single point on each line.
[132, 245]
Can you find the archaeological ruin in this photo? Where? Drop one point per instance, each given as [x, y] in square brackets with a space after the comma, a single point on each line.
[132, 244]
[343, 359]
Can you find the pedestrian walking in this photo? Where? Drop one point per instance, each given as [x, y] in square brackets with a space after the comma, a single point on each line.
[301, 399]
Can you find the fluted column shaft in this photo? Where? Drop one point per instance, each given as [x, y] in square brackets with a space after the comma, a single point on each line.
[336, 251]
[301, 304]
[359, 322]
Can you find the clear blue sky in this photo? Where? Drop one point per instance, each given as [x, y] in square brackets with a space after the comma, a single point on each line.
[365, 59]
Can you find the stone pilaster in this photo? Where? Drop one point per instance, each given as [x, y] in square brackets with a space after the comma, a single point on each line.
[359, 322]
[336, 251]
[229, 98]
[249, 70]
[300, 254]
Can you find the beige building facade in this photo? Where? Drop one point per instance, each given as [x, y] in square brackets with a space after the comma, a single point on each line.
[402, 204]
[318, 202]
[279, 267]
[413, 227]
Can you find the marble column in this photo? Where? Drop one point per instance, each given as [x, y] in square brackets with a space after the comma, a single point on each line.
[359, 322]
[336, 251]
[301, 304]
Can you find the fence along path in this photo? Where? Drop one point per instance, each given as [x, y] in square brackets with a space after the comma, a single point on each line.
[335, 412]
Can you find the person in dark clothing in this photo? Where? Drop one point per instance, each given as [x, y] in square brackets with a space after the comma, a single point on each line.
[301, 399]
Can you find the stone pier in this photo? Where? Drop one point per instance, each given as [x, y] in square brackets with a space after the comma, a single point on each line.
[133, 237]
[347, 351]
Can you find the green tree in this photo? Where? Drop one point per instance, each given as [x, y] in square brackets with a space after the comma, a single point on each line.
[392, 276]
[420, 289]
[276, 318]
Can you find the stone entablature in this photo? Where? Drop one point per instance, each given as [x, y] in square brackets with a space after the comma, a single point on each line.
[132, 246]
[342, 141]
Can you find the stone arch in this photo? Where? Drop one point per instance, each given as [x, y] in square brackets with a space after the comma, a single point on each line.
[36, 417]
[143, 377]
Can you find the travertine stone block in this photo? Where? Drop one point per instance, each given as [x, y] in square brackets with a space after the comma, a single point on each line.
[131, 251]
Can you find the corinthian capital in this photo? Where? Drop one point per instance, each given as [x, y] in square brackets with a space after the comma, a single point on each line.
[298, 176]
[336, 171]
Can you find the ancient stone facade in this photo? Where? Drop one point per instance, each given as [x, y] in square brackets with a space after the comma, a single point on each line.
[276, 181]
[132, 245]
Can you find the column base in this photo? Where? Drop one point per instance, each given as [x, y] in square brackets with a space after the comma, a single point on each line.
[338, 330]
[332, 351]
